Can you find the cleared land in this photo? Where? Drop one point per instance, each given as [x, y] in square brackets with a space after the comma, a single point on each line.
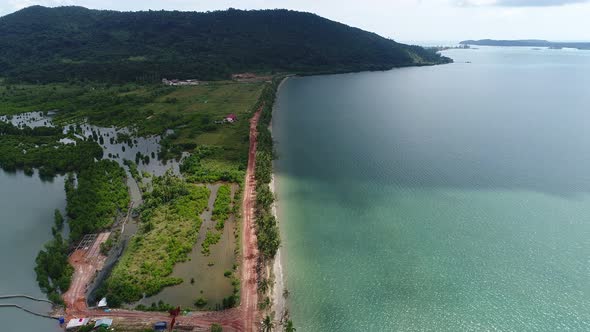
[86, 260]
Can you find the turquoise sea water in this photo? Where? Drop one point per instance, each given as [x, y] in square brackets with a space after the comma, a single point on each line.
[447, 198]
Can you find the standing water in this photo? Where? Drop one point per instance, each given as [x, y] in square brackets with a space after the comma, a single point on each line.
[446, 198]
[26, 216]
[118, 144]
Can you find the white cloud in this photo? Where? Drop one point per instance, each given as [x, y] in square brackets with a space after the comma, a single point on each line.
[515, 3]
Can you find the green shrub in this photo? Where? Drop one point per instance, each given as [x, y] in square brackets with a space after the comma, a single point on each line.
[201, 302]
[54, 272]
[221, 207]
[211, 238]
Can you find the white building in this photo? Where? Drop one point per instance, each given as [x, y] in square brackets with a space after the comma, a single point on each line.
[77, 322]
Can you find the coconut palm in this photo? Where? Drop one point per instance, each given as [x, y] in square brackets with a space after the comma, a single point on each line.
[267, 324]
[289, 326]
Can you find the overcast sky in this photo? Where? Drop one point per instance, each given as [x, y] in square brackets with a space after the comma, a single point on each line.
[402, 20]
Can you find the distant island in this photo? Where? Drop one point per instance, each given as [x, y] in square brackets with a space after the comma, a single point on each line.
[528, 43]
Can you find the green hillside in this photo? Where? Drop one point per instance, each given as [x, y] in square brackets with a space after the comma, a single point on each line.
[40, 44]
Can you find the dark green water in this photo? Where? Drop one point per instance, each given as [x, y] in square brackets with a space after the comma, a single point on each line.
[448, 198]
[26, 217]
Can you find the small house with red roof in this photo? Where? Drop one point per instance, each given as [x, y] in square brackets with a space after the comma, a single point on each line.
[231, 118]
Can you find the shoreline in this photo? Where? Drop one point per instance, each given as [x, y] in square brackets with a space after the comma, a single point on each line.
[279, 302]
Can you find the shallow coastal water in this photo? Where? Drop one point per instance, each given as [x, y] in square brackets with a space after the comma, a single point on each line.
[447, 198]
[26, 217]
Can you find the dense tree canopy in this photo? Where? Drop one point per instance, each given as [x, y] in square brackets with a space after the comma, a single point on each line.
[65, 43]
[100, 194]
[27, 148]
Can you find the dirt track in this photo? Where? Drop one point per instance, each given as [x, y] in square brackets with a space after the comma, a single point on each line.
[243, 318]
[249, 303]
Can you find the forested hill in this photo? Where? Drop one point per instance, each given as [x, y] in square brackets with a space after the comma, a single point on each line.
[40, 44]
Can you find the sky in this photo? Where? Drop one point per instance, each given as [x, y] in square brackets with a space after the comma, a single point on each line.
[402, 20]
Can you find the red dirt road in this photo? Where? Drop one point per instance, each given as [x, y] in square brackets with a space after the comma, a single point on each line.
[243, 318]
[249, 305]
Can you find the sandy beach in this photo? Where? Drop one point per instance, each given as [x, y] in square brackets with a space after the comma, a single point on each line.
[279, 305]
[278, 300]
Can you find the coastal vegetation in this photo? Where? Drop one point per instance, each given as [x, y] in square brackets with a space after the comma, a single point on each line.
[267, 324]
[27, 148]
[94, 197]
[41, 44]
[93, 203]
[266, 224]
[54, 273]
[289, 327]
[169, 226]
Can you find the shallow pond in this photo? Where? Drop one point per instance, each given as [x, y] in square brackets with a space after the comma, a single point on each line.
[207, 271]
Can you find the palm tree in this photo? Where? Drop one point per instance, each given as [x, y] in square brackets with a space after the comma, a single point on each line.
[289, 326]
[267, 324]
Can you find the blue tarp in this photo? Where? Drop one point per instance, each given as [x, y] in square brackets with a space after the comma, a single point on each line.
[160, 326]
